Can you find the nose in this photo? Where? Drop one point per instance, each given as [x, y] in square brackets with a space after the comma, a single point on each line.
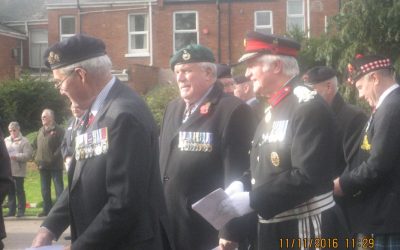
[180, 77]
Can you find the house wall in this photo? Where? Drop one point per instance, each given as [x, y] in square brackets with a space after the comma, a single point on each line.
[7, 62]
[111, 25]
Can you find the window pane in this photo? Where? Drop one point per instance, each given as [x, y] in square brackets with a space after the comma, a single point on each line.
[295, 7]
[68, 25]
[183, 39]
[296, 22]
[137, 23]
[263, 18]
[264, 30]
[139, 42]
[185, 21]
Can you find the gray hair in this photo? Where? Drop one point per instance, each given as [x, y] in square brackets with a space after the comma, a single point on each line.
[14, 125]
[212, 66]
[49, 112]
[97, 65]
[290, 66]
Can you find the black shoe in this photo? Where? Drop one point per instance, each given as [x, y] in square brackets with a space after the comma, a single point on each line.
[42, 214]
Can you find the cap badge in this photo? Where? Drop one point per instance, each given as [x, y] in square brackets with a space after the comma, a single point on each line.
[185, 56]
[275, 159]
[53, 58]
[275, 41]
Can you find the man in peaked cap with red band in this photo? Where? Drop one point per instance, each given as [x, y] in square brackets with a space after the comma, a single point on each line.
[293, 152]
[371, 180]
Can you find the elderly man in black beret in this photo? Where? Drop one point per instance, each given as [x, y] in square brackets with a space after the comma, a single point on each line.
[115, 199]
[372, 180]
[350, 120]
[292, 156]
[205, 139]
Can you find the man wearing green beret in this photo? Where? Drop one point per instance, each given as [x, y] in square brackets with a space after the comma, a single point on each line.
[205, 139]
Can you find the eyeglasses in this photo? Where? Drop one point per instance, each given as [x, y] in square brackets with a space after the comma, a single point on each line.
[58, 83]
[12, 130]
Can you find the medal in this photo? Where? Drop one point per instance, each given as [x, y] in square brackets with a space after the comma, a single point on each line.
[275, 159]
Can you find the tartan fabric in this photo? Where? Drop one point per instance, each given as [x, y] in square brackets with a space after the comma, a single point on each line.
[387, 241]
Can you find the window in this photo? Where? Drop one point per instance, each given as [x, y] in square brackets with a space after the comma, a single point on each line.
[138, 35]
[263, 22]
[67, 27]
[295, 15]
[38, 43]
[185, 29]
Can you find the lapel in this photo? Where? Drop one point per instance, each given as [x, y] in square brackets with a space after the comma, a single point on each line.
[79, 165]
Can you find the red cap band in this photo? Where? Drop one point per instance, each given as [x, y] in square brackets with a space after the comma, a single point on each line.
[256, 46]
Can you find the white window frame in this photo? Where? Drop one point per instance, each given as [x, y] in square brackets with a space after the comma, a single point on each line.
[258, 27]
[185, 31]
[138, 52]
[43, 45]
[63, 36]
[288, 15]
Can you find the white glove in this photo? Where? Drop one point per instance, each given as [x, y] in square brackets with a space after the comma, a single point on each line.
[234, 187]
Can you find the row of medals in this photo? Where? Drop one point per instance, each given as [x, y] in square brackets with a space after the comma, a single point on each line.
[195, 141]
[91, 144]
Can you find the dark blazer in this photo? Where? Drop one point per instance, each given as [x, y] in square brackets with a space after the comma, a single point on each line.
[115, 200]
[350, 121]
[67, 148]
[190, 174]
[371, 182]
[5, 180]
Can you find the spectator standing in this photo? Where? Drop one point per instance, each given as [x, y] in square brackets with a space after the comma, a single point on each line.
[205, 139]
[225, 78]
[20, 151]
[47, 147]
[372, 179]
[115, 199]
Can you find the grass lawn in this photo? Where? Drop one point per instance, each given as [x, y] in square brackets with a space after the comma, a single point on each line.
[32, 191]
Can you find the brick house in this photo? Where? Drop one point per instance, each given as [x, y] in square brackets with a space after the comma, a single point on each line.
[141, 35]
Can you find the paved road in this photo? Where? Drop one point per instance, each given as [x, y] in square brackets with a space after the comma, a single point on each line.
[20, 233]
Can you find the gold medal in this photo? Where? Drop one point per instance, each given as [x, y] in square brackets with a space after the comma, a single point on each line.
[275, 159]
[365, 145]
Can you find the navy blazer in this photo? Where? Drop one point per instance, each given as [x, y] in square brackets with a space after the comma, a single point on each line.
[115, 199]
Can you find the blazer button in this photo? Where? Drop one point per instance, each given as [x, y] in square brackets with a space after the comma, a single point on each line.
[166, 178]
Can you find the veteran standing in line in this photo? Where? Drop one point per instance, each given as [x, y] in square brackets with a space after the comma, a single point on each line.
[372, 180]
[205, 139]
[114, 200]
[350, 120]
[293, 153]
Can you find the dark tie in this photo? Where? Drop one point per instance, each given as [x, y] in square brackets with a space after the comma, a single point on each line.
[187, 112]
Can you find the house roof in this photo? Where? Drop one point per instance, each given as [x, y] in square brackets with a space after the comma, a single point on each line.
[7, 31]
[22, 10]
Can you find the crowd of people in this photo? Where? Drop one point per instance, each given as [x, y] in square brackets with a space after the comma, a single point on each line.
[301, 168]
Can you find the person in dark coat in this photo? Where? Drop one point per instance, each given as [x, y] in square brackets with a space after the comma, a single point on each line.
[293, 154]
[5, 183]
[243, 89]
[371, 181]
[350, 120]
[115, 199]
[205, 139]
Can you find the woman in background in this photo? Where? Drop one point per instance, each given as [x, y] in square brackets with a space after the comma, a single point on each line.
[20, 151]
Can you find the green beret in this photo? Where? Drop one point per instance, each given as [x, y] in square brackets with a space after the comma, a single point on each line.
[192, 53]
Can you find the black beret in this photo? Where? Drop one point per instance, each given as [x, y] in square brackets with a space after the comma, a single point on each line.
[318, 74]
[223, 71]
[241, 79]
[365, 64]
[192, 53]
[257, 43]
[75, 49]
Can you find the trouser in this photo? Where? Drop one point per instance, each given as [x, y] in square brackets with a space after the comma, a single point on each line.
[45, 179]
[17, 192]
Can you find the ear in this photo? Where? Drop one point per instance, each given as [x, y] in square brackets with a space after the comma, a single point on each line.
[276, 66]
[82, 74]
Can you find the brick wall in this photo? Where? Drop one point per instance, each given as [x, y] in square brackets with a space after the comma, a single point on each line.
[7, 62]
